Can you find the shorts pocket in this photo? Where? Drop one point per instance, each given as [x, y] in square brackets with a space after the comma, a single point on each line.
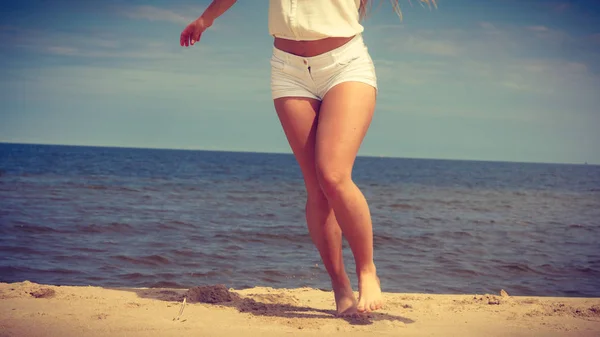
[277, 64]
[352, 55]
[347, 60]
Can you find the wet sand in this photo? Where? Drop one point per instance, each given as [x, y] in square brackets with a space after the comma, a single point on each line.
[29, 309]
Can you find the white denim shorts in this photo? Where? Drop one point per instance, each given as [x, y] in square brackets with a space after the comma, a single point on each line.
[297, 76]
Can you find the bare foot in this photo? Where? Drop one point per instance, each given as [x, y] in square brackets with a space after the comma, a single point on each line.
[345, 302]
[369, 288]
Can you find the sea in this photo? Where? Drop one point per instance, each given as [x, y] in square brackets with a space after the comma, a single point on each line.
[130, 217]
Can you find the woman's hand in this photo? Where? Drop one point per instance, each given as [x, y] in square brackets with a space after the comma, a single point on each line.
[192, 33]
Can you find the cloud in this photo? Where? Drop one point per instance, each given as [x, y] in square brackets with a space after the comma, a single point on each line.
[548, 34]
[432, 47]
[422, 42]
[140, 54]
[576, 67]
[463, 111]
[412, 73]
[59, 50]
[550, 77]
[532, 76]
[55, 42]
[383, 27]
[86, 45]
[498, 42]
[538, 28]
[487, 26]
[153, 13]
[486, 40]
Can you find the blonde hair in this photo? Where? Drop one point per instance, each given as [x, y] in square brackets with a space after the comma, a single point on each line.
[365, 6]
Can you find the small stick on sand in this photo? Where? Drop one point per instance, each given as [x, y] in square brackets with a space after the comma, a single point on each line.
[180, 310]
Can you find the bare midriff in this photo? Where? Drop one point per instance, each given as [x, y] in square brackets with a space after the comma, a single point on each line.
[310, 48]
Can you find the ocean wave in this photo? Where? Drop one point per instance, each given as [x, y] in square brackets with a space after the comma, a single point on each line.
[150, 260]
[113, 227]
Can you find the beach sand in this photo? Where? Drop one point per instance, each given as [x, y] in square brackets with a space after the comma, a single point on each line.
[30, 309]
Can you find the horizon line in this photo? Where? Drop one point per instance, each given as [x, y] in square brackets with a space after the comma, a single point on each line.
[290, 153]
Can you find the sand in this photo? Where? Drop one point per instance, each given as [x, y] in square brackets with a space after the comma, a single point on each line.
[29, 309]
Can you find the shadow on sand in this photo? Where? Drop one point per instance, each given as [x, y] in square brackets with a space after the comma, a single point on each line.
[267, 305]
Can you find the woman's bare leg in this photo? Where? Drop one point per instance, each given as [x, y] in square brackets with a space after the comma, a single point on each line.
[298, 117]
[344, 117]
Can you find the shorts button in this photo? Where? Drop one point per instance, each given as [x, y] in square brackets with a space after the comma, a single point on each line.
[305, 62]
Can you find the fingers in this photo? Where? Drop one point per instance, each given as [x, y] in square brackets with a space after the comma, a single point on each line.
[189, 36]
[186, 35]
[196, 37]
[184, 38]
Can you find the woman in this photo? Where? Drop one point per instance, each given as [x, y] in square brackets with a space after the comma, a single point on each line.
[324, 88]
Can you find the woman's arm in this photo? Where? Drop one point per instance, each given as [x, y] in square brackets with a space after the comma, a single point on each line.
[216, 9]
[192, 33]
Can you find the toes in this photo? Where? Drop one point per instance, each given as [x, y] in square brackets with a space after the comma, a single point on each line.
[373, 306]
[347, 313]
[366, 306]
[360, 307]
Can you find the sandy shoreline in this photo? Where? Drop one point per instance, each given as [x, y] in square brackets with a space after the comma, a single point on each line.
[29, 309]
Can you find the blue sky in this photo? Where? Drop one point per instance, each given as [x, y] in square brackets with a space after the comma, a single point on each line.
[484, 80]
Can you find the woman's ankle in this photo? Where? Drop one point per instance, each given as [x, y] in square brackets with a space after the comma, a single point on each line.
[366, 269]
[340, 281]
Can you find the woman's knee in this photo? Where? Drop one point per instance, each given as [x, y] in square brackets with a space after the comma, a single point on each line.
[332, 179]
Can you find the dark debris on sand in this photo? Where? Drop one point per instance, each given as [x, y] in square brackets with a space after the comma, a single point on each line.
[43, 293]
[215, 294]
[219, 294]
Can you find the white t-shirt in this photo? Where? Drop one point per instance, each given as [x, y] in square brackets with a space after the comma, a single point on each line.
[314, 19]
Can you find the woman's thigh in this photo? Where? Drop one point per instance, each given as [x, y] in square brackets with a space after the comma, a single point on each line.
[344, 118]
[298, 117]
